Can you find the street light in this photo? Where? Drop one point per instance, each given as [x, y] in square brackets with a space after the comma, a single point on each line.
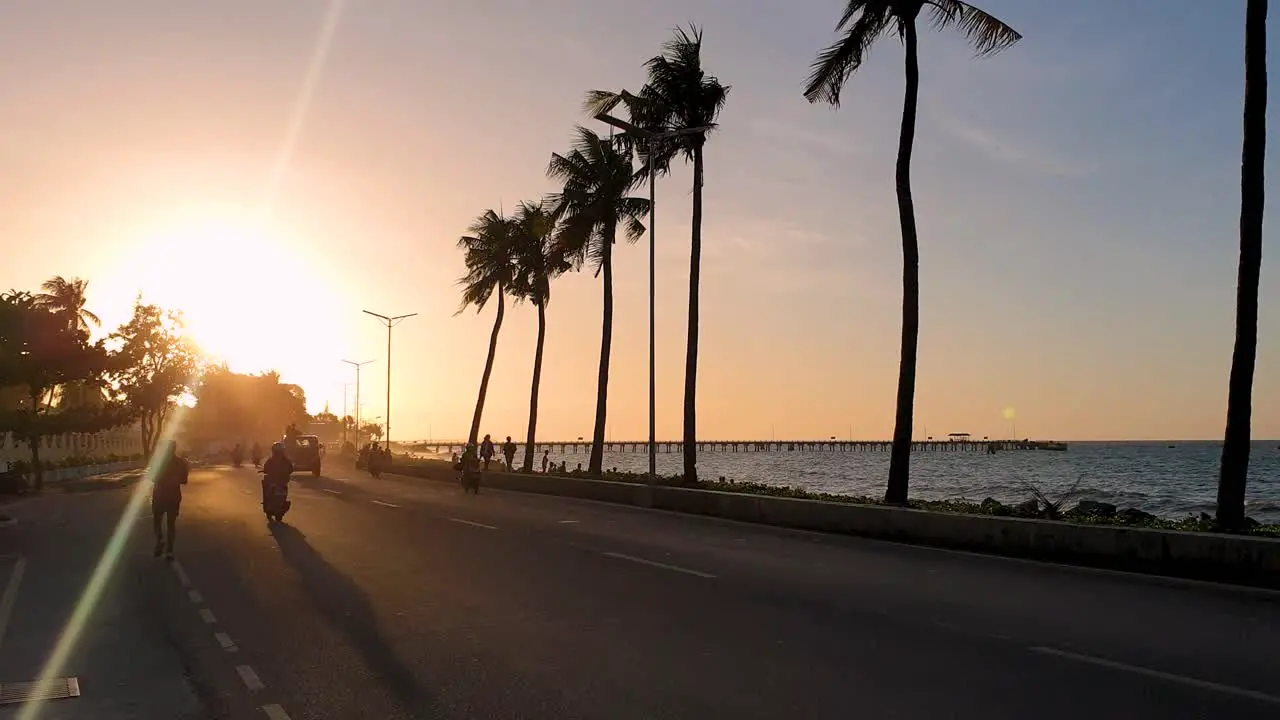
[389, 322]
[357, 366]
[652, 138]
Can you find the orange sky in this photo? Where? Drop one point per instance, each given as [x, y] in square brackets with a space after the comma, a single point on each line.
[147, 146]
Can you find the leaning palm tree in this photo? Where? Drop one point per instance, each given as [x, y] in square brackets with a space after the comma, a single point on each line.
[678, 96]
[593, 205]
[1235, 447]
[863, 22]
[67, 298]
[490, 271]
[537, 264]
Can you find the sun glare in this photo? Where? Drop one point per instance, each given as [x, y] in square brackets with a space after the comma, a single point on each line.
[250, 297]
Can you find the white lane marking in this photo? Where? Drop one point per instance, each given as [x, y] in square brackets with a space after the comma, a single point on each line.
[247, 492]
[11, 594]
[250, 678]
[225, 641]
[568, 522]
[275, 712]
[207, 616]
[330, 490]
[1193, 682]
[182, 574]
[195, 596]
[384, 504]
[473, 524]
[664, 566]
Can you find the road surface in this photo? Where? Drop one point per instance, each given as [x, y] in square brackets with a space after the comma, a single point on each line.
[404, 598]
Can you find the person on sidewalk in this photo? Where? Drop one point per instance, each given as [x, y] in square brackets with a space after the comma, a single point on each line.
[486, 451]
[166, 497]
[509, 452]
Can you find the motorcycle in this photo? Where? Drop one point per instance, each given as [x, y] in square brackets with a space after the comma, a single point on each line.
[237, 458]
[277, 502]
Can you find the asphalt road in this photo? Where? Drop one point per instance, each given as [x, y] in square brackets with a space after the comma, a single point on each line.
[404, 598]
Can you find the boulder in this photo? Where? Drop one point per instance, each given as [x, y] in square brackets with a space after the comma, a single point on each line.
[1030, 508]
[992, 506]
[1134, 516]
[1094, 508]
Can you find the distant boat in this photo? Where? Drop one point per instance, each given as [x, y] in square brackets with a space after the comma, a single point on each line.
[1051, 445]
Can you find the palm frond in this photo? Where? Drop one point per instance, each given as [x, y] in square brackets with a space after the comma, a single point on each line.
[985, 32]
[833, 66]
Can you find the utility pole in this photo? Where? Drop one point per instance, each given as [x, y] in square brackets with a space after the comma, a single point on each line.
[390, 322]
[357, 366]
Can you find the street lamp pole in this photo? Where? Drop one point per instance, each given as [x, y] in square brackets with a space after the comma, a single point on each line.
[390, 322]
[651, 139]
[357, 366]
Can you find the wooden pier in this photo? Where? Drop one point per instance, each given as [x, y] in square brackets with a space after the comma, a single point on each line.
[749, 446]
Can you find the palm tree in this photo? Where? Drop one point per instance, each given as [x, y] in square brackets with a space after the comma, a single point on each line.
[863, 22]
[1235, 447]
[67, 297]
[490, 270]
[678, 95]
[597, 177]
[537, 263]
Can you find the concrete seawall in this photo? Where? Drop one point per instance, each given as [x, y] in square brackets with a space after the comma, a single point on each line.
[1209, 556]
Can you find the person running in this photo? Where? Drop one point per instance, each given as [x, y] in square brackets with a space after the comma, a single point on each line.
[486, 451]
[166, 497]
[509, 452]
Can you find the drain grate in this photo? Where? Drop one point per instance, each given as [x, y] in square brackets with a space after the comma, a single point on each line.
[54, 689]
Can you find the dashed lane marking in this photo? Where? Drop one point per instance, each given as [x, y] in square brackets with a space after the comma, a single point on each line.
[384, 504]
[1159, 675]
[195, 596]
[473, 524]
[182, 575]
[207, 616]
[250, 678]
[275, 712]
[332, 491]
[664, 566]
[225, 641]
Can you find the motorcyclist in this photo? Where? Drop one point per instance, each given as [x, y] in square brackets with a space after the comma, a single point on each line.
[237, 455]
[256, 454]
[275, 471]
[375, 461]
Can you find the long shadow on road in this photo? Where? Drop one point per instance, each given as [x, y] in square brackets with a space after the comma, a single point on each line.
[347, 608]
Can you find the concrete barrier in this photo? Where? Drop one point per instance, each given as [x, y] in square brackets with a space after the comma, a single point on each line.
[1210, 556]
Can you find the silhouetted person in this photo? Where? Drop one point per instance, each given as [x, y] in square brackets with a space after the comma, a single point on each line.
[509, 452]
[486, 451]
[166, 497]
[278, 469]
[256, 454]
[546, 460]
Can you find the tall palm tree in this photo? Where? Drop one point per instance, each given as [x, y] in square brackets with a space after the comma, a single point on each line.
[490, 271]
[863, 22]
[678, 95]
[537, 263]
[1235, 447]
[593, 205]
[67, 298]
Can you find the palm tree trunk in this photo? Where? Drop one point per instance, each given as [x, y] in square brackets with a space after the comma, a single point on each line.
[900, 455]
[596, 463]
[690, 444]
[474, 437]
[1235, 447]
[533, 393]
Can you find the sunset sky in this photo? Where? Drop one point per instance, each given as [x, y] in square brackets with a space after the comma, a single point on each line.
[1077, 198]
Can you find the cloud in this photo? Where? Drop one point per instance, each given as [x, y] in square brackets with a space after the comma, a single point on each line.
[1017, 154]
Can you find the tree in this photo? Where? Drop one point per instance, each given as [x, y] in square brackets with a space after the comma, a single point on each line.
[66, 298]
[1234, 471]
[373, 430]
[490, 270]
[593, 204]
[537, 263]
[39, 351]
[864, 22]
[237, 408]
[159, 366]
[678, 96]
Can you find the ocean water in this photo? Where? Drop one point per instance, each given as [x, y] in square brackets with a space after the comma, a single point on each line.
[1170, 479]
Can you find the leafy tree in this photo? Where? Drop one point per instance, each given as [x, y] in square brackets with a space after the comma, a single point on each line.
[39, 351]
[1235, 448]
[490, 266]
[159, 365]
[373, 430]
[862, 23]
[597, 178]
[66, 298]
[678, 96]
[537, 263]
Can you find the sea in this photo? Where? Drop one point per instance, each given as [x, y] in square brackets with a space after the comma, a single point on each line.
[1169, 479]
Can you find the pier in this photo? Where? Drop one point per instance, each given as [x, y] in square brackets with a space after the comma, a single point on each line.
[749, 446]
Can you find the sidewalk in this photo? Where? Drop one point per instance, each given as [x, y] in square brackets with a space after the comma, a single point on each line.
[119, 653]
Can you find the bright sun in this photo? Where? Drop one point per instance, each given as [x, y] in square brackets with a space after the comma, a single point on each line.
[249, 296]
